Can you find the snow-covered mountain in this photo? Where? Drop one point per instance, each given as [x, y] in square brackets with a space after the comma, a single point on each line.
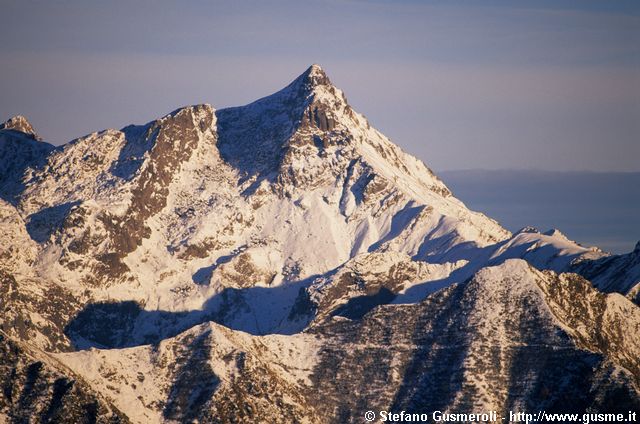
[264, 262]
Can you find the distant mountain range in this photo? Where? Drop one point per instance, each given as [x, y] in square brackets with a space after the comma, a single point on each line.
[596, 208]
[284, 261]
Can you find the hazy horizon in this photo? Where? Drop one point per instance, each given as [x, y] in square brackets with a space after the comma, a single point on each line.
[592, 208]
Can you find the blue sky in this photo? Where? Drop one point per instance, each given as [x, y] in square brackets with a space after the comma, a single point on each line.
[461, 84]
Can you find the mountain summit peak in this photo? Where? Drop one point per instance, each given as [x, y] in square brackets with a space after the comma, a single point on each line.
[313, 76]
[19, 123]
[315, 70]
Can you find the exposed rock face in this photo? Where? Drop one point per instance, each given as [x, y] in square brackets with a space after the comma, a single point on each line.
[175, 138]
[36, 311]
[617, 273]
[284, 261]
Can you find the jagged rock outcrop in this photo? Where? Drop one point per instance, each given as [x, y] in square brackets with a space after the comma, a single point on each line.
[20, 124]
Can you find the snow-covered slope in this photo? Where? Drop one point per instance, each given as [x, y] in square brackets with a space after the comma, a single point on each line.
[209, 373]
[275, 231]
